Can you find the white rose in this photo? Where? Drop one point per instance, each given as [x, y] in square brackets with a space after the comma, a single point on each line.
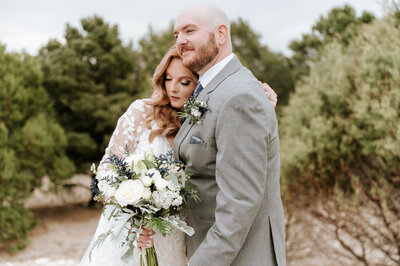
[107, 190]
[101, 185]
[155, 174]
[134, 162]
[147, 180]
[196, 112]
[146, 194]
[102, 173]
[161, 184]
[129, 192]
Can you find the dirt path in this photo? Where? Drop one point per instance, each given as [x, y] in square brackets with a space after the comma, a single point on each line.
[65, 232]
[60, 239]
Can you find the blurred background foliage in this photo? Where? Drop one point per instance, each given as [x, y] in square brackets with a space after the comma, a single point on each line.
[343, 146]
[32, 142]
[339, 103]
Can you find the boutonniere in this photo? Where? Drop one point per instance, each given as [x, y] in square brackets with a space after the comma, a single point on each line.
[194, 110]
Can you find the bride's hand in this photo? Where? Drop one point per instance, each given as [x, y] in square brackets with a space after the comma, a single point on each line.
[145, 239]
[272, 96]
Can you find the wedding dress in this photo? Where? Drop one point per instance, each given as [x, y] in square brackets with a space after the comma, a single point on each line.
[132, 132]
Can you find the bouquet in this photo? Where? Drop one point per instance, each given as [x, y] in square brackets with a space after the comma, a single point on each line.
[148, 192]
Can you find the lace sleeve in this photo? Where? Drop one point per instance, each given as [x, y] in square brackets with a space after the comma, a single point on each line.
[126, 133]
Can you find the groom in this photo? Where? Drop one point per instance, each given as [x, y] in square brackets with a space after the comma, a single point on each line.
[233, 153]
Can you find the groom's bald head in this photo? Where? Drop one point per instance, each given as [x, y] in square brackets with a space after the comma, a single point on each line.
[211, 14]
[202, 33]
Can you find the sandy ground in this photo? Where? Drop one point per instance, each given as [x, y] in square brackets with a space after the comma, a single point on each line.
[64, 233]
[60, 239]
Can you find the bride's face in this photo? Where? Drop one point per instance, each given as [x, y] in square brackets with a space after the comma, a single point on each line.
[179, 83]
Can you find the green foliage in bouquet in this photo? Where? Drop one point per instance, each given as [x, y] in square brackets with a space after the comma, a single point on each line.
[32, 144]
[91, 81]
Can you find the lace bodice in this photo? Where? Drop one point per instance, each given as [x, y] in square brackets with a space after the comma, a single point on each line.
[131, 132]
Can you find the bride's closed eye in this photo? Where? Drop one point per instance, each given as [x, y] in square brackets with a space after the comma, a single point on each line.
[186, 82]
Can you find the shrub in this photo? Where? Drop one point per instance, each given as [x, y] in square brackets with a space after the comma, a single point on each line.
[32, 144]
[340, 142]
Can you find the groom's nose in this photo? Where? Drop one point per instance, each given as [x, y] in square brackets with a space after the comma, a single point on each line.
[181, 39]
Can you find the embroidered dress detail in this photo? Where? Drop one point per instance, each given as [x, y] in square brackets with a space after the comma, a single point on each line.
[131, 132]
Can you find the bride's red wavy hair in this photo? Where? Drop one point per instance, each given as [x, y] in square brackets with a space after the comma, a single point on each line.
[162, 111]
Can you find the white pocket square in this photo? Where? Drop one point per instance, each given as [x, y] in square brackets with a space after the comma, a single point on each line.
[195, 140]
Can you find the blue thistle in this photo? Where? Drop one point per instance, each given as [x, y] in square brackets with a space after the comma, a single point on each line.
[94, 188]
[121, 166]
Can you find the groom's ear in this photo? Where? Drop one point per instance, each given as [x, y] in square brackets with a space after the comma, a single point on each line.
[221, 34]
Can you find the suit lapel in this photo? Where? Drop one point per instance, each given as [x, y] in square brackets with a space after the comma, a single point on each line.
[230, 68]
[233, 66]
[183, 131]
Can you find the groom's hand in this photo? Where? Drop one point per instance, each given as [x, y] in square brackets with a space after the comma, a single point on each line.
[145, 239]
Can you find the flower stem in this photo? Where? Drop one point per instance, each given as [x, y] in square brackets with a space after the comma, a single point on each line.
[149, 257]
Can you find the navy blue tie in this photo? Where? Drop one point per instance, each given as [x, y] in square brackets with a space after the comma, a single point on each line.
[198, 89]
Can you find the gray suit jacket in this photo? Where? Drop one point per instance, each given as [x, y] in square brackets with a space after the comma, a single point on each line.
[234, 158]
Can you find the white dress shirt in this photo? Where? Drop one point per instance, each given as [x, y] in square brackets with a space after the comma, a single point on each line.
[214, 70]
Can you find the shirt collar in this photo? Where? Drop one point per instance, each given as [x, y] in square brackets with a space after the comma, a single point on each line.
[214, 70]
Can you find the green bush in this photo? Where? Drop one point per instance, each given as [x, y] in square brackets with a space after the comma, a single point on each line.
[90, 81]
[341, 24]
[343, 120]
[340, 143]
[32, 144]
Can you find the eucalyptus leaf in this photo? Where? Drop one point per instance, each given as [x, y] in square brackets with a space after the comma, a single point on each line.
[149, 164]
[174, 179]
[183, 178]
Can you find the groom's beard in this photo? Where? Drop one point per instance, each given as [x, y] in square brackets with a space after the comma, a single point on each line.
[206, 53]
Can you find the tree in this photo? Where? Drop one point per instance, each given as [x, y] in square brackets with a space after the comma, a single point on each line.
[152, 47]
[341, 24]
[339, 143]
[267, 66]
[32, 144]
[91, 82]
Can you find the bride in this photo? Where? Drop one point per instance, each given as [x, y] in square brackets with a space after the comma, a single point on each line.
[149, 123]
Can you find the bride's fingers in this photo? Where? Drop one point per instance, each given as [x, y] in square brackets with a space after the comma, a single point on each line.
[144, 232]
[147, 232]
[144, 244]
[268, 90]
[272, 96]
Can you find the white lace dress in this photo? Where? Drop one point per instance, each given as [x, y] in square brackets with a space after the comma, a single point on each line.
[171, 249]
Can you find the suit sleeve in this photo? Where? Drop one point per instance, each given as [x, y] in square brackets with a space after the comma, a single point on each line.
[242, 134]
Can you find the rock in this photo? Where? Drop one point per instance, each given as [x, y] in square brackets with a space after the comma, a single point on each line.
[75, 190]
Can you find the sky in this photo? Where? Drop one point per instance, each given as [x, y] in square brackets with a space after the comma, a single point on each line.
[29, 24]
